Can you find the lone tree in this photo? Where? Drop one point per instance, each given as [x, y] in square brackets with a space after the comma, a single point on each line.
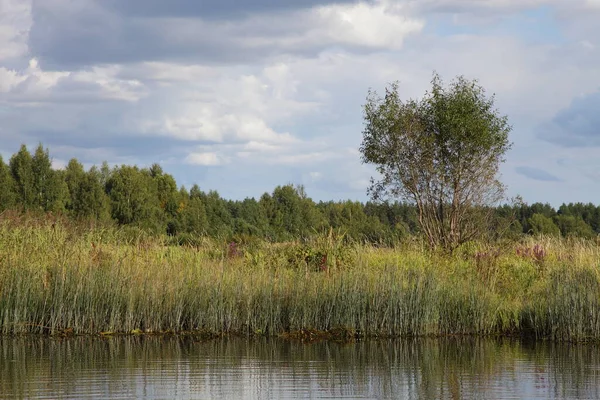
[442, 153]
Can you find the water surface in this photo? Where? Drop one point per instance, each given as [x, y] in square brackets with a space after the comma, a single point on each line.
[234, 368]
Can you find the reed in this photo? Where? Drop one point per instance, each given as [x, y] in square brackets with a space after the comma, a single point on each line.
[56, 278]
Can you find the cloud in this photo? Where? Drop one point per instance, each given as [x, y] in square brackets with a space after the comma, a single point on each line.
[205, 159]
[458, 6]
[67, 33]
[34, 85]
[15, 22]
[536, 174]
[206, 124]
[208, 9]
[593, 4]
[576, 126]
[239, 109]
[365, 24]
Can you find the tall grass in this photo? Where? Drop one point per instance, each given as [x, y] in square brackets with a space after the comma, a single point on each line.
[57, 278]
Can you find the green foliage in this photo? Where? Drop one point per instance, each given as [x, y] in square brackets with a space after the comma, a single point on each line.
[50, 189]
[589, 213]
[250, 218]
[87, 198]
[8, 196]
[148, 199]
[219, 220]
[542, 225]
[192, 212]
[570, 225]
[133, 197]
[21, 169]
[290, 212]
[58, 277]
[167, 192]
[321, 253]
[441, 153]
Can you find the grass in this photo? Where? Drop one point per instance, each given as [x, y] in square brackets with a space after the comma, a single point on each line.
[58, 278]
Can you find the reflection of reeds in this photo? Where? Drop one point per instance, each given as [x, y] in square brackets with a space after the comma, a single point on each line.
[406, 368]
[56, 278]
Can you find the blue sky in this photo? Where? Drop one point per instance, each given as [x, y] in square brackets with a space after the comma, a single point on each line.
[243, 96]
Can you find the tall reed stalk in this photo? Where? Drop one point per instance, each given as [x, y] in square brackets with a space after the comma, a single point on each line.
[55, 278]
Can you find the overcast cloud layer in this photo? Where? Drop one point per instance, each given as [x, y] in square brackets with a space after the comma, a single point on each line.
[243, 96]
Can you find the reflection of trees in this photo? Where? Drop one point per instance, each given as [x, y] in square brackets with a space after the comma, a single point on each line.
[269, 368]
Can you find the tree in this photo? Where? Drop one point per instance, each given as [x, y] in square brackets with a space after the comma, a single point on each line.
[74, 176]
[251, 218]
[7, 187]
[291, 212]
[50, 188]
[22, 173]
[87, 198]
[442, 153]
[192, 212]
[168, 195]
[542, 225]
[94, 200]
[132, 198]
[588, 212]
[218, 218]
[570, 225]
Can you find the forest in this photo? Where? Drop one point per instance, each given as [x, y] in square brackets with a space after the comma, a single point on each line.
[150, 199]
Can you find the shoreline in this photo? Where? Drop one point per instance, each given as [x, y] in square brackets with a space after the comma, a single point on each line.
[306, 336]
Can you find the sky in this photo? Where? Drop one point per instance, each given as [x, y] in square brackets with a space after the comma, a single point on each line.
[242, 96]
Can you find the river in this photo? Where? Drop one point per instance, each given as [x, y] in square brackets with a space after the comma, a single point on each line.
[237, 368]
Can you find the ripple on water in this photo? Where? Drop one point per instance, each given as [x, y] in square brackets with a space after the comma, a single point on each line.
[170, 367]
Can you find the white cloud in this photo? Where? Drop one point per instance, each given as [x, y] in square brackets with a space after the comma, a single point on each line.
[254, 146]
[9, 79]
[315, 175]
[165, 72]
[309, 158]
[34, 85]
[112, 87]
[205, 159]
[58, 163]
[378, 25]
[593, 4]
[204, 123]
[15, 22]
[229, 107]
[99, 34]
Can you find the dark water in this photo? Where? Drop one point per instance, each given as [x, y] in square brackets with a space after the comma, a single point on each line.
[166, 368]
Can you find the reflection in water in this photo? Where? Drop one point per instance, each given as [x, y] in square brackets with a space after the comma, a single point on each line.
[155, 367]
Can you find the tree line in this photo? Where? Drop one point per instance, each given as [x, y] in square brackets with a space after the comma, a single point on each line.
[150, 199]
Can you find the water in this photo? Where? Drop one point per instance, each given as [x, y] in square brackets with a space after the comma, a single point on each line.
[234, 368]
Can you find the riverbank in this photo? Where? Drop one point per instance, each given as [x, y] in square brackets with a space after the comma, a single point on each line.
[58, 279]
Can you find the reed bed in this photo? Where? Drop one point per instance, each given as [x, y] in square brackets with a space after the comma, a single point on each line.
[56, 278]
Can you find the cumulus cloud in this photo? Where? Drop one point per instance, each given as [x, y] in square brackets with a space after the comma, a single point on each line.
[15, 22]
[205, 159]
[240, 109]
[35, 85]
[67, 33]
